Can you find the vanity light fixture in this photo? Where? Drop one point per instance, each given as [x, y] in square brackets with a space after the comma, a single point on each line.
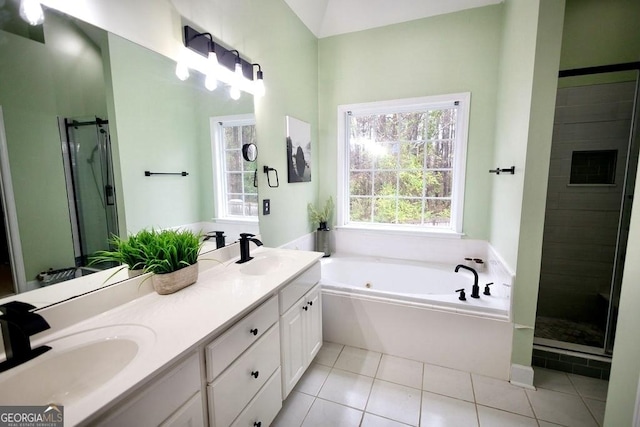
[203, 53]
[31, 11]
[259, 89]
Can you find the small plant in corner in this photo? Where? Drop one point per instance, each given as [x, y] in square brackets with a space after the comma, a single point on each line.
[321, 216]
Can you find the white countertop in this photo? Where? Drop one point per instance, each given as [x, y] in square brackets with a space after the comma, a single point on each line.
[179, 323]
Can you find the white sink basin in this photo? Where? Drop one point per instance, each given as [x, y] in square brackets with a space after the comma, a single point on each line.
[76, 365]
[265, 264]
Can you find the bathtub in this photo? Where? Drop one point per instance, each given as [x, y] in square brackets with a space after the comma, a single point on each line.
[414, 283]
[410, 309]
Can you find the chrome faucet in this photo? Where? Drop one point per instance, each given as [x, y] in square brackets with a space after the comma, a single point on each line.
[18, 323]
[475, 291]
[245, 238]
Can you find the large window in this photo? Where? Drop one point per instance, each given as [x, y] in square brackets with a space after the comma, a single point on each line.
[236, 194]
[404, 163]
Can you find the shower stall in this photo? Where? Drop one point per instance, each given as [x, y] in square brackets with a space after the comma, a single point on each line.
[88, 165]
[592, 175]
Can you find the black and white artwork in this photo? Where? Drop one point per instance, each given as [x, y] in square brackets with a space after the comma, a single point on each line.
[298, 150]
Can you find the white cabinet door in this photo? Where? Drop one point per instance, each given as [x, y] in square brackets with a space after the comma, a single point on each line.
[301, 334]
[292, 351]
[313, 324]
[188, 415]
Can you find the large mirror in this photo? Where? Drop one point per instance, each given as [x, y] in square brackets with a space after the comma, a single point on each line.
[86, 113]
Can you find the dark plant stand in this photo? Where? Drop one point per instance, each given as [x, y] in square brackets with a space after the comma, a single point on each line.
[323, 239]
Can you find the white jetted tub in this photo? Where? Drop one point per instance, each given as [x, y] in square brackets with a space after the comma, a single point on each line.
[411, 310]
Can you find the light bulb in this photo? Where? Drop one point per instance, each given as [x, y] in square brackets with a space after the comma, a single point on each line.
[259, 85]
[234, 93]
[31, 12]
[182, 71]
[210, 81]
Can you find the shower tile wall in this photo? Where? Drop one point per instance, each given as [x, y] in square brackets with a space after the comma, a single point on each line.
[581, 221]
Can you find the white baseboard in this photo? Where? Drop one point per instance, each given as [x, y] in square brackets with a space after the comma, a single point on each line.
[522, 376]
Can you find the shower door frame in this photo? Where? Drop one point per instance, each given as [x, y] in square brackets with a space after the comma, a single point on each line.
[64, 124]
[616, 278]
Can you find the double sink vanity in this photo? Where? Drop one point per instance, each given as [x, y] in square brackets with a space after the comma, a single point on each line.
[225, 351]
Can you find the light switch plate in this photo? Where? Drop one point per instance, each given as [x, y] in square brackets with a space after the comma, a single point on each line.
[266, 206]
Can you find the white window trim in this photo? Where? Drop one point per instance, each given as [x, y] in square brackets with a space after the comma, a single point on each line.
[220, 180]
[460, 161]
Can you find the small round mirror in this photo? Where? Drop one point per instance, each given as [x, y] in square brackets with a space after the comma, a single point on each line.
[250, 152]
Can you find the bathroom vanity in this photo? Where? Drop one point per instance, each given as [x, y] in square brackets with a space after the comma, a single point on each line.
[223, 352]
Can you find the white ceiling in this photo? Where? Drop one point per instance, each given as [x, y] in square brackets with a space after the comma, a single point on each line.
[330, 17]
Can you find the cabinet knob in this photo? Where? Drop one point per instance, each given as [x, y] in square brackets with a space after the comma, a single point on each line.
[305, 308]
[255, 374]
[257, 424]
[254, 331]
[310, 303]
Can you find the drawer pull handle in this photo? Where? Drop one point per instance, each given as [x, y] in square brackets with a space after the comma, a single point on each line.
[310, 303]
[305, 308]
[257, 424]
[254, 331]
[255, 374]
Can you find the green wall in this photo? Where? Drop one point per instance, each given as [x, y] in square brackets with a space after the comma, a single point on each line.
[457, 52]
[38, 84]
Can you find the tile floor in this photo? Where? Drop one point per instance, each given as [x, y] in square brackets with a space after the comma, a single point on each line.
[347, 386]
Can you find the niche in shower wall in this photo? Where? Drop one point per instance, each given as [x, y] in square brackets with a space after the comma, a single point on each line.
[593, 167]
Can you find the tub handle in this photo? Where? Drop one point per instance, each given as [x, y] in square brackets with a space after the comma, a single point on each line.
[462, 296]
[487, 291]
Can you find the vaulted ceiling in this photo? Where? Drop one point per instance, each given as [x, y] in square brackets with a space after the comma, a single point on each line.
[331, 17]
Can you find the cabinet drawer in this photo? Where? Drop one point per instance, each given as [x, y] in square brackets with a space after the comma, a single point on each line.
[233, 389]
[298, 287]
[264, 407]
[225, 349]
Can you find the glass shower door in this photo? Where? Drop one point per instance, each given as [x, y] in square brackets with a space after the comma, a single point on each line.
[90, 184]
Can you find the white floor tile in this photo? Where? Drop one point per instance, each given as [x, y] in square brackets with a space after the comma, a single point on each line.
[324, 413]
[395, 401]
[590, 387]
[328, 353]
[443, 411]
[358, 361]
[597, 409]
[560, 408]
[490, 417]
[294, 410]
[553, 380]
[347, 388]
[312, 379]
[547, 424]
[370, 420]
[501, 395]
[400, 371]
[449, 382]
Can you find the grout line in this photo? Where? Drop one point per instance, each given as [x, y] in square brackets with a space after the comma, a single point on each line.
[475, 402]
[533, 410]
[308, 410]
[421, 394]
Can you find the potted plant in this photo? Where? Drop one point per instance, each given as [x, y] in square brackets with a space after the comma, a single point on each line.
[322, 217]
[127, 251]
[172, 257]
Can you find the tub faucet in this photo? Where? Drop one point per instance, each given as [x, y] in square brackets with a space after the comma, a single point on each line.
[475, 291]
[245, 238]
[18, 323]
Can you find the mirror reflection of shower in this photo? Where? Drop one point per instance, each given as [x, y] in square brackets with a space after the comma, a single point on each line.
[88, 164]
